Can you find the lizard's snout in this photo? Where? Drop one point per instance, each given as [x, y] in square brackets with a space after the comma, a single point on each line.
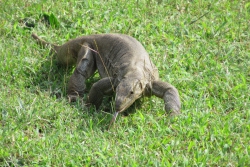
[122, 103]
[119, 104]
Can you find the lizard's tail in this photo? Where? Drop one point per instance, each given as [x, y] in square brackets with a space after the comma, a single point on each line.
[44, 43]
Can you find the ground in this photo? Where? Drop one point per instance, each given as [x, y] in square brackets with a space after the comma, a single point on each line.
[201, 47]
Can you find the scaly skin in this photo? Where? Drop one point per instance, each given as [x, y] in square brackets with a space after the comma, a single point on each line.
[124, 66]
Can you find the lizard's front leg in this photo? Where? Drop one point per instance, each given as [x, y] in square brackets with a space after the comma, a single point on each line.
[169, 94]
[104, 86]
[85, 67]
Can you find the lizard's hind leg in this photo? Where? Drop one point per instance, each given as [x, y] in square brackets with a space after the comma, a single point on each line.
[85, 68]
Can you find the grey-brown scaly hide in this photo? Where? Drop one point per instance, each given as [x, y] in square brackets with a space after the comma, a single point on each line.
[123, 64]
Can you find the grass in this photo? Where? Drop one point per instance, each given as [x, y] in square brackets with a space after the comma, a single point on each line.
[201, 47]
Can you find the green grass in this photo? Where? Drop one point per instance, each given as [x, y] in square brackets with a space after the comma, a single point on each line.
[201, 47]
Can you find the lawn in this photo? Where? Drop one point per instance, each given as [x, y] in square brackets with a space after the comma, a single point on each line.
[201, 47]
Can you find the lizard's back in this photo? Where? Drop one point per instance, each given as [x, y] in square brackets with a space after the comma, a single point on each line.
[119, 52]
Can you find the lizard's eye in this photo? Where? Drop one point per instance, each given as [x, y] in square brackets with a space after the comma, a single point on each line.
[131, 92]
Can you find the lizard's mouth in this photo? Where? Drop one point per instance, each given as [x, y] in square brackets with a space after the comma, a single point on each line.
[121, 109]
[121, 104]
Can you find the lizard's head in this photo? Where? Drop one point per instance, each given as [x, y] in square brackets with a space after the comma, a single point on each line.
[127, 92]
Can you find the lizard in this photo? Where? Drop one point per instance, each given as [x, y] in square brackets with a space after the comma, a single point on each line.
[124, 66]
